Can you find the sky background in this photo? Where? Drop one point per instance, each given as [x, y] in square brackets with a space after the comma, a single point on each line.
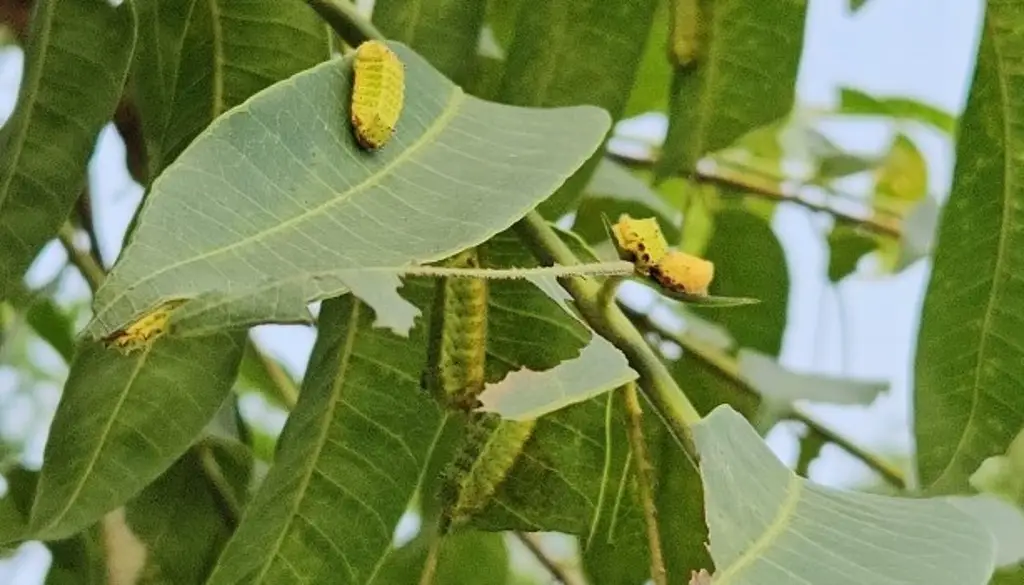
[920, 49]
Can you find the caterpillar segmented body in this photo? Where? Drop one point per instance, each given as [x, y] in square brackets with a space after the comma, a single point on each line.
[639, 241]
[378, 93]
[684, 273]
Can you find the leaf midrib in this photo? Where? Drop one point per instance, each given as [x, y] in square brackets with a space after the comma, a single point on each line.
[94, 456]
[346, 353]
[1004, 228]
[456, 97]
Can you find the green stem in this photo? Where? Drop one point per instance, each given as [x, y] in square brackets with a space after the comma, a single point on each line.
[86, 264]
[232, 510]
[659, 387]
[343, 17]
[557, 572]
[285, 387]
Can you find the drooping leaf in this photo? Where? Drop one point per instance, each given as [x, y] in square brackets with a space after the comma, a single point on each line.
[292, 169]
[545, 66]
[198, 59]
[351, 456]
[77, 58]
[743, 79]
[122, 421]
[183, 519]
[445, 32]
[791, 530]
[856, 102]
[970, 353]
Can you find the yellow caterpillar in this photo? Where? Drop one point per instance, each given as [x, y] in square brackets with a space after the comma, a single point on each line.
[639, 241]
[684, 273]
[144, 330]
[378, 93]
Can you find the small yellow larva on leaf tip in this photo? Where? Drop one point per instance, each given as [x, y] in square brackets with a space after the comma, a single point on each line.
[684, 273]
[639, 241]
[378, 93]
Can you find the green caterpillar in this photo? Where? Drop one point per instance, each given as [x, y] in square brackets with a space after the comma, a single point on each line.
[456, 375]
[685, 32]
[458, 338]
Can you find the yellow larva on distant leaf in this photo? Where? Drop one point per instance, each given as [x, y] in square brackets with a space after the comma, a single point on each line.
[144, 330]
[684, 273]
[378, 92]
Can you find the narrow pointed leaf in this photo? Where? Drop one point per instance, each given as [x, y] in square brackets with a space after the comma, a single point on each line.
[744, 77]
[458, 171]
[790, 530]
[196, 59]
[77, 58]
[351, 456]
[970, 355]
[855, 102]
[122, 421]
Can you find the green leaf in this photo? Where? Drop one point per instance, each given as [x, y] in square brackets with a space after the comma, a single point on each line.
[654, 73]
[847, 245]
[122, 421]
[465, 558]
[77, 58]
[745, 78]
[197, 59]
[568, 52]
[79, 560]
[445, 32]
[426, 195]
[970, 353]
[16, 504]
[855, 5]
[351, 456]
[183, 519]
[790, 530]
[855, 102]
[749, 261]
[1003, 519]
[902, 179]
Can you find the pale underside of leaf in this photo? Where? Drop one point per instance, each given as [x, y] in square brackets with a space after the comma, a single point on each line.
[277, 187]
[790, 531]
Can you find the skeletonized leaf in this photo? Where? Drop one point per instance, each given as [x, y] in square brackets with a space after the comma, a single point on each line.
[254, 217]
[122, 421]
[77, 58]
[789, 530]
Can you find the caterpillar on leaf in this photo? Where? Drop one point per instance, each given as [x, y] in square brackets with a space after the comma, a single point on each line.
[144, 330]
[684, 273]
[639, 241]
[378, 93]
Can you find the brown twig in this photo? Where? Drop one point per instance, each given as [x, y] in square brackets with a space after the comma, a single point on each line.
[556, 570]
[644, 478]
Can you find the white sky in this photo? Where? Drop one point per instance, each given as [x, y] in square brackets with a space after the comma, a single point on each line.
[923, 49]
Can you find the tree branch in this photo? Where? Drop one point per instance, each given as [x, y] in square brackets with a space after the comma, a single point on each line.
[91, 271]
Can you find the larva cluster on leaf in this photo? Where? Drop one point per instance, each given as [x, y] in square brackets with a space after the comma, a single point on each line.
[684, 273]
[639, 241]
[144, 331]
[378, 93]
